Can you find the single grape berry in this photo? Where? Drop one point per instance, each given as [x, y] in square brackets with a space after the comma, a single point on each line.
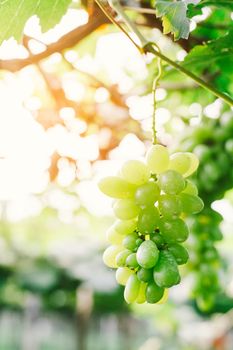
[171, 182]
[148, 220]
[147, 194]
[154, 293]
[147, 254]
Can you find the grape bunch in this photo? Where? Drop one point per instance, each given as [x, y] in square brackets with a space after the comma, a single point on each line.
[212, 142]
[146, 239]
[205, 260]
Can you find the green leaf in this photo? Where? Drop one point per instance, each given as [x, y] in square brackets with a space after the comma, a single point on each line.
[228, 4]
[196, 9]
[215, 57]
[212, 52]
[15, 13]
[174, 17]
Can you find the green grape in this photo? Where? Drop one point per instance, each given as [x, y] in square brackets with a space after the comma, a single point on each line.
[179, 252]
[125, 227]
[114, 186]
[147, 194]
[206, 302]
[132, 289]
[122, 256]
[229, 146]
[113, 236]
[131, 261]
[123, 274]
[147, 254]
[157, 159]
[211, 254]
[139, 242]
[174, 230]
[190, 188]
[125, 209]
[154, 293]
[170, 206]
[191, 204]
[135, 172]
[166, 273]
[148, 219]
[194, 162]
[130, 241]
[145, 275]
[203, 152]
[171, 182]
[180, 162]
[223, 162]
[109, 256]
[141, 298]
[211, 171]
[158, 239]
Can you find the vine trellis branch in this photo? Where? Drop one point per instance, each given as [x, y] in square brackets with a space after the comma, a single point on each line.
[148, 47]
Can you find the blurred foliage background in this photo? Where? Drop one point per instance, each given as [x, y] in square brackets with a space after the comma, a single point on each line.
[73, 113]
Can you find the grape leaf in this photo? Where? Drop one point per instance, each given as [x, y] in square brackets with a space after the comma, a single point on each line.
[228, 4]
[212, 52]
[15, 13]
[196, 9]
[216, 57]
[174, 16]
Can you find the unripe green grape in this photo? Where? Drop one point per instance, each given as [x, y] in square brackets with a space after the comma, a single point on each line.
[163, 300]
[180, 162]
[211, 254]
[125, 209]
[157, 159]
[173, 230]
[190, 188]
[223, 162]
[194, 162]
[229, 146]
[202, 152]
[147, 254]
[131, 261]
[166, 273]
[113, 236]
[147, 194]
[145, 275]
[191, 204]
[171, 182]
[114, 186]
[154, 293]
[211, 171]
[125, 227]
[158, 239]
[132, 289]
[179, 252]
[130, 241]
[122, 256]
[123, 274]
[109, 256]
[135, 172]
[170, 206]
[139, 242]
[141, 298]
[148, 219]
[205, 302]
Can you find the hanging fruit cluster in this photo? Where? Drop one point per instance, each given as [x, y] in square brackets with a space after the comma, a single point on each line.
[212, 142]
[146, 239]
[205, 260]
